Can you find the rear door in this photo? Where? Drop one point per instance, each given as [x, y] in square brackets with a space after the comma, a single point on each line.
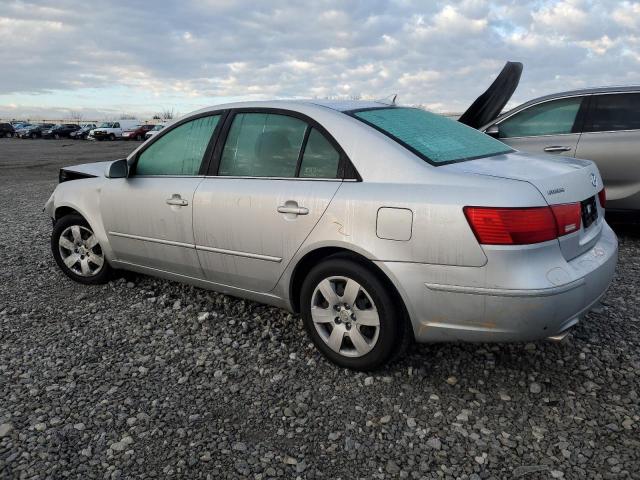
[149, 215]
[551, 127]
[275, 176]
[611, 138]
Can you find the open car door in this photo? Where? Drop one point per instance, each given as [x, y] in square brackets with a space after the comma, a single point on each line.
[488, 106]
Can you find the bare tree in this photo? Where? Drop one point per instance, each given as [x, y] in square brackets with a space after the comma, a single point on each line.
[76, 116]
[166, 114]
[127, 116]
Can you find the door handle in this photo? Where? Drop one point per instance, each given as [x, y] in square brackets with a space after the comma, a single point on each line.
[177, 200]
[292, 209]
[557, 148]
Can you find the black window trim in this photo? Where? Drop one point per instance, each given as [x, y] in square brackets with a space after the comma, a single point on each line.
[352, 113]
[346, 170]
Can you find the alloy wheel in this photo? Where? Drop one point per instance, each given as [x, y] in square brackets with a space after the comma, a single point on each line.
[80, 251]
[345, 316]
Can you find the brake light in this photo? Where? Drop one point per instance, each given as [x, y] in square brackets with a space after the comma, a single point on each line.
[568, 217]
[523, 226]
[602, 196]
[512, 226]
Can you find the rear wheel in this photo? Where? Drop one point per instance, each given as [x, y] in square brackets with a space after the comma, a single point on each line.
[77, 251]
[112, 137]
[350, 315]
[139, 138]
[8, 135]
[56, 136]
[34, 136]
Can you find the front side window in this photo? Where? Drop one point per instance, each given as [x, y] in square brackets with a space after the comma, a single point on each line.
[179, 151]
[435, 138]
[320, 158]
[262, 145]
[614, 112]
[549, 118]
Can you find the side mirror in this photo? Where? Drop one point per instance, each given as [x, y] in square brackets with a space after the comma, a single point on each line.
[118, 169]
[493, 131]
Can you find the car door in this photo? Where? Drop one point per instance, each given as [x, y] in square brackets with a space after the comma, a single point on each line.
[276, 175]
[549, 127]
[611, 138]
[149, 215]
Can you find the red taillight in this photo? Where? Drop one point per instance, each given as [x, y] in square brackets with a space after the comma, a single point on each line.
[522, 226]
[512, 226]
[568, 217]
[602, 196]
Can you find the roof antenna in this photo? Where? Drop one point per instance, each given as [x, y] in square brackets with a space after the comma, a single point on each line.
[389, 100]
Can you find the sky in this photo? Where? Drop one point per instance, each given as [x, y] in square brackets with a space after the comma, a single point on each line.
[103, 59]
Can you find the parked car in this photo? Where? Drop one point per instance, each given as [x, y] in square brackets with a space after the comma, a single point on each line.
[6, 130]
[136, 133]
[154, 131]
[82, 132]
[112, 130]
[20, 129]
[600, 124]
[34, 131]
[61, 130]
[380, 224]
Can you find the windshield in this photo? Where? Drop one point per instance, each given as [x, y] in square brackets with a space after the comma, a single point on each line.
[106, 125]
[435, 138]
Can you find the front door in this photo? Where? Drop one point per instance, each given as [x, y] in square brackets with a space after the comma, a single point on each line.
[149, 216]
[276, 178]
[551, 127]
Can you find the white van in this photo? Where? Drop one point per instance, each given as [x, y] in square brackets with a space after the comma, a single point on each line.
[112, 130]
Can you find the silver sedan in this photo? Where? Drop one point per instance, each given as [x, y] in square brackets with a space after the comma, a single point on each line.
[380, 224]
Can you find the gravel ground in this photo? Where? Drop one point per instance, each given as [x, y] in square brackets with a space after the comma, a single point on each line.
[152, 379]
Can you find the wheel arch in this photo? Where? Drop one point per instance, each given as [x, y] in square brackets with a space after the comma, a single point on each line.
[312, 258]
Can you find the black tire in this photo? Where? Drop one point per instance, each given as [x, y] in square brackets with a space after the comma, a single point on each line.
[34, 136]
[139, 138]
[56, 136]
[112, 137]
[8, 135]
[102, 275]
[394, 332]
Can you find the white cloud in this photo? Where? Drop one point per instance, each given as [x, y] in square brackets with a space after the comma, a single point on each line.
[200, 52]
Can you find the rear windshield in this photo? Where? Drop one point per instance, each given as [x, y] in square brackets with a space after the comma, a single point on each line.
[435, 138]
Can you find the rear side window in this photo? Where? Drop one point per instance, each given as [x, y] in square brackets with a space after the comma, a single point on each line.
[614, 112]
[434, 138]
[262, 145]
[179, 151]
[549, 118]
[320, 159]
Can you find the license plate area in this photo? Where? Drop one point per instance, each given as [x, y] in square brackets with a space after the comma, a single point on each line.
[589, 212]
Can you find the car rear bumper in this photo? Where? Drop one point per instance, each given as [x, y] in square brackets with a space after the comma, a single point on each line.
[516, 296]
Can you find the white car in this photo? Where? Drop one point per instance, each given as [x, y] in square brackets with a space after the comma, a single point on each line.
[155, 130]
[112, 130]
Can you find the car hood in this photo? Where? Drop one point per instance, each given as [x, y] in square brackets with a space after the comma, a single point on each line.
[96, 169]
[488, 106]
[559, 179]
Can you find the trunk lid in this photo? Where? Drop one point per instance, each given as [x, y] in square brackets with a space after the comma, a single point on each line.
[488, 106]
[560, 180]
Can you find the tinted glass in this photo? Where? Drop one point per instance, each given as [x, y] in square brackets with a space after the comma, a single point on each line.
[262, 145]
[435, 137]
[614, 112]
[549, 118]
[320, 159]
[179, 151]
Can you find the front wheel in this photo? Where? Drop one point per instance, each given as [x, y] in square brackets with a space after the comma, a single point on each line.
[350, 315]
[77, 251]
[34, 136]
[112, 137]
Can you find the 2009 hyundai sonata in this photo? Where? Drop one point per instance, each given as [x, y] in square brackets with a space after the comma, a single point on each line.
[380, 224]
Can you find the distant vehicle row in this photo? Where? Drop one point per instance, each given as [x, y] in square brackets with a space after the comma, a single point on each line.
[122, 129]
